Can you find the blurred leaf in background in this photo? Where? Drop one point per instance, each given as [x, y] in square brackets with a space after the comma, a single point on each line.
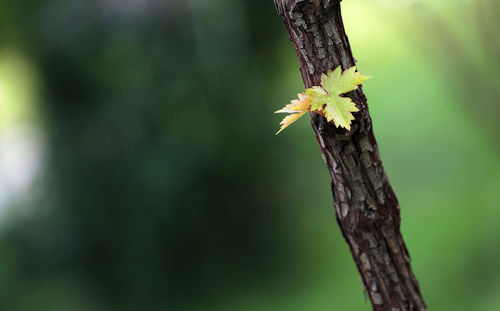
[139, 167]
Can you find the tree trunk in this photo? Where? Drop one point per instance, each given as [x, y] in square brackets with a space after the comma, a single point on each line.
[366, 207]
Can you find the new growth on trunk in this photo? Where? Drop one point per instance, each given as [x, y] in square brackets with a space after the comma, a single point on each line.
[366, 207]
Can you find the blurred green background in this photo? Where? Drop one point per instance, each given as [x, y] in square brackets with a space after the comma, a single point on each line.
[139, 169]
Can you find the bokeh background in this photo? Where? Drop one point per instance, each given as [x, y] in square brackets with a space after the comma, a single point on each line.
[139, 169]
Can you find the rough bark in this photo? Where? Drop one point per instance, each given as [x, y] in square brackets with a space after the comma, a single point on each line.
[366, 207]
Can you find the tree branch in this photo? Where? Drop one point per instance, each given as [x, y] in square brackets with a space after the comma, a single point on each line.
[366, 207]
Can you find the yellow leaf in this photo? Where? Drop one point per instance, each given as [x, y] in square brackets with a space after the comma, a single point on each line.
[289, 119]
[326, 99]
[296, 108]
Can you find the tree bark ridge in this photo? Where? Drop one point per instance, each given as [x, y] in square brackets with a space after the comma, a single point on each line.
[366, 207]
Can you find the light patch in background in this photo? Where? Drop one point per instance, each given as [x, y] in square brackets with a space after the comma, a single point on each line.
[20, 159]
[17, 90]
[396, 4]
[21, 139]
[377, 31]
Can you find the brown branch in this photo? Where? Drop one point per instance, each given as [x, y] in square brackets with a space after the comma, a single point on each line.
[366, 207]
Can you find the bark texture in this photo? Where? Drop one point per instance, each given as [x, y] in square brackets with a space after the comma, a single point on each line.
[366, 207]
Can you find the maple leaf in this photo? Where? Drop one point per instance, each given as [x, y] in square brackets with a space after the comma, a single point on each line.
[327, 101]
[296, 108]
